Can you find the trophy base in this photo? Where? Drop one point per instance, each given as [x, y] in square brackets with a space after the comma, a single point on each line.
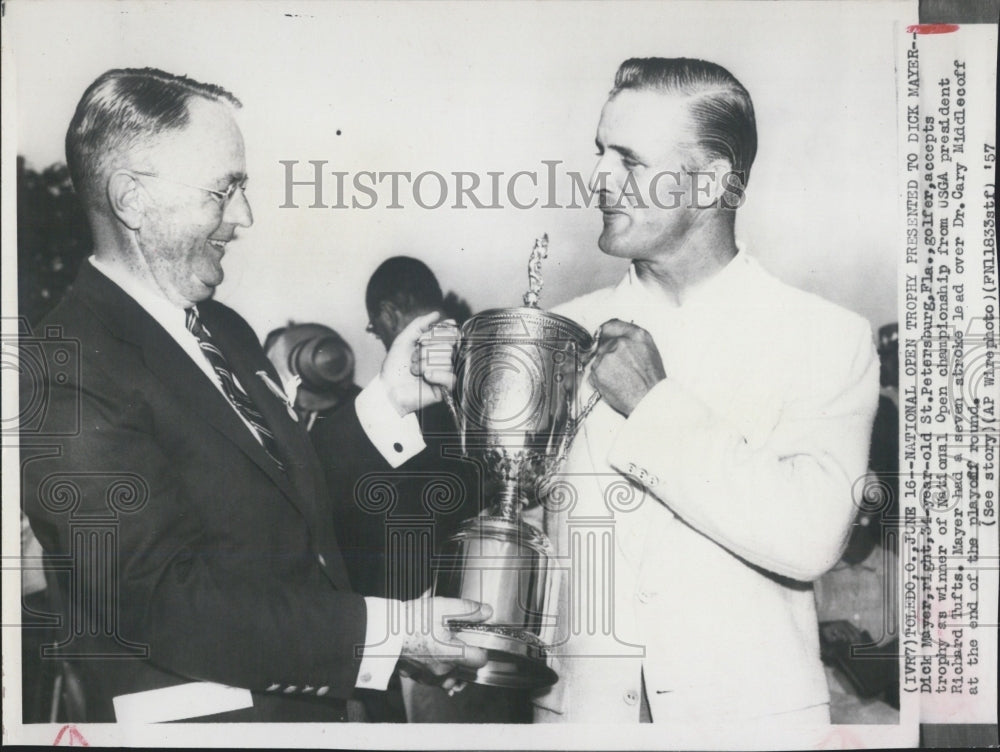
[516, 658]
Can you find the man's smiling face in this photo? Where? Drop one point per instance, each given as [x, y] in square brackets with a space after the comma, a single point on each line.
[185, 229]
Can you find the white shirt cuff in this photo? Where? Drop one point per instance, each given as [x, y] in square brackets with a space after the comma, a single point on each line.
[383, 646]
[396, 438]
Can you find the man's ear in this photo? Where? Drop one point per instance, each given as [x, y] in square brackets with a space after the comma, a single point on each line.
[126, 199]
[712, 183]
[390, 316]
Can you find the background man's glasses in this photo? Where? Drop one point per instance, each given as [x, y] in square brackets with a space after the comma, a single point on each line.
[239, 184]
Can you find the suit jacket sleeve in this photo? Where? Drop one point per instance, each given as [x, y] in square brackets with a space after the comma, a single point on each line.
[207, 609]
[785, 506]
[346, 454]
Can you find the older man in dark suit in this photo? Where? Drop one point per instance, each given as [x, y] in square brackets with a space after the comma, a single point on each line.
[186, 503]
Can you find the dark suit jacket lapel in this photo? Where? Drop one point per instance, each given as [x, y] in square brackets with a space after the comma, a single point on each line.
[176, 369]
[173, 366]
[303, 468]
[245, 367]
[124, 317]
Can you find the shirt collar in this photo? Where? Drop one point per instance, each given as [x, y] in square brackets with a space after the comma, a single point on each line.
[721, 287]
[152, 300]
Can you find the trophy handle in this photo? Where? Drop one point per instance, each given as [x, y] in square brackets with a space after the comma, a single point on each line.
[587, 355]
[574, 426]
[449, 400]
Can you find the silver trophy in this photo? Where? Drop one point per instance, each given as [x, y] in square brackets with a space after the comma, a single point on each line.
[516, 380]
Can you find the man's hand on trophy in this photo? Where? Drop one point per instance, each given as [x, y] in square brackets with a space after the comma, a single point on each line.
[434, 357]
[419, 363]
[625, 365]
[430, 650]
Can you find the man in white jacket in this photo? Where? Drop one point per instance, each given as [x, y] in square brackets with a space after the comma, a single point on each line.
[712, 483]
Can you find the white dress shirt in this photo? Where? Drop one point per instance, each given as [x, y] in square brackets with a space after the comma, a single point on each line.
[173, 321]
[379, 419]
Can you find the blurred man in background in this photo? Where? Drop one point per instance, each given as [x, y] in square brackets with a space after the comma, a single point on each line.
[401, 289]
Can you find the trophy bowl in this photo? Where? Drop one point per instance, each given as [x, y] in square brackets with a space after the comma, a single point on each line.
[514, 404]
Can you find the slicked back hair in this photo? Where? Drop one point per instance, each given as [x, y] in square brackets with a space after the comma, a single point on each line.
[720, 107]
[122, 110]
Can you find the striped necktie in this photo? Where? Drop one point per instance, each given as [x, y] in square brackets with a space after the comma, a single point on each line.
[232, 388]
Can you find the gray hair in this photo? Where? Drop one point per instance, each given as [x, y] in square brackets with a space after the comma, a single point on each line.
[123, 109]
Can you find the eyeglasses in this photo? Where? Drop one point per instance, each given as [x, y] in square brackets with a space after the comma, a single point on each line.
[239, 184]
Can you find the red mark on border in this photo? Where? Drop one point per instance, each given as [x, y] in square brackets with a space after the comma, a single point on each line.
[73, 737]
[839, 739]
[931, 28]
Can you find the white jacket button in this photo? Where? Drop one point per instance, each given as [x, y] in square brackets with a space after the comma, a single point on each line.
[631, 697]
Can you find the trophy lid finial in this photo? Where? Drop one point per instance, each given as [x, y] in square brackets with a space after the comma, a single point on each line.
[540, 251]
